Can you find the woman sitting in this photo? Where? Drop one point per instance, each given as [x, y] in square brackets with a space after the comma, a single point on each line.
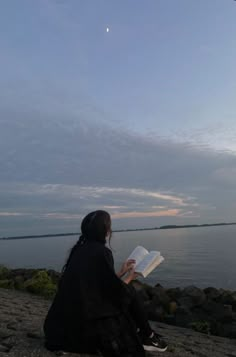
[94, 311]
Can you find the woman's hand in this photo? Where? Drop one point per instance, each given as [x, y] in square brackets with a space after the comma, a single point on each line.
[126, 267]
[131, 276]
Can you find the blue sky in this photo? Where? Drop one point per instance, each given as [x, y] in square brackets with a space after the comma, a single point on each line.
[151, 104]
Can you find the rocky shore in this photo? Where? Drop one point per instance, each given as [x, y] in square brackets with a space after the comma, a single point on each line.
[22, 315]
[210, 311]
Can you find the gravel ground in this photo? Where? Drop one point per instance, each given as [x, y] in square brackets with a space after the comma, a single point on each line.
[22, 315]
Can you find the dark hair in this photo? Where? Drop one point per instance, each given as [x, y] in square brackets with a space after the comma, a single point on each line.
[94, 227]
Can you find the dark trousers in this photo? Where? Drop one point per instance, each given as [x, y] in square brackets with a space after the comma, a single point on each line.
[138, 313]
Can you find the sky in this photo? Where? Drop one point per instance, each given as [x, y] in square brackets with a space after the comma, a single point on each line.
[139, 120]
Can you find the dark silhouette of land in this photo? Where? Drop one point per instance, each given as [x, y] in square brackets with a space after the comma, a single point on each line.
[122, 230]
[197, 225]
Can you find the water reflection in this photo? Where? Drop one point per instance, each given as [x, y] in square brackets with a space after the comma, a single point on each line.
[200, 256]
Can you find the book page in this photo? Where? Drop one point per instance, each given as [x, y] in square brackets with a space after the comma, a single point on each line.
[150, 260]
[138, 254]
[152, 266]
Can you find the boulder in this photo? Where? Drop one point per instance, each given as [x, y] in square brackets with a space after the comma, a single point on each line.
[228, 298]
[138, 285]
[172, 307]
[158, 296]
[199, 314]
[233, 330]
[197, 295]
[154, 312]
[183, 316]
[174, 293]
[157, 314]
[170, 319]
[141, 289]
[218, 312]
[186, 302]
[212, 293]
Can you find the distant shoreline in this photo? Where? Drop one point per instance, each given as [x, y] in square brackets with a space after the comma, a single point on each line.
[121, 230]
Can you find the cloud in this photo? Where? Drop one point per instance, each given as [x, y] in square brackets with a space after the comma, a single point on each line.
[225, 175]
[61, 168]
[166, 213]
[125, 215]
[13, 214]
[62, 216]
[70, 195]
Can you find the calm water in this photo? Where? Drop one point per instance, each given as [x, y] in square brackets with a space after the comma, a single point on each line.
[200, 256]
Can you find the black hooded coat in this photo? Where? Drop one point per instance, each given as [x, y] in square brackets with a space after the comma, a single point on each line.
[90, 311]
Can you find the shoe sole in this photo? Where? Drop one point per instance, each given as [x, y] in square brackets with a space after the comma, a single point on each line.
[154, 349]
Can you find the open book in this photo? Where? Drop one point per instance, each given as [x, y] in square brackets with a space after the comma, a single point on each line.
[146, 261]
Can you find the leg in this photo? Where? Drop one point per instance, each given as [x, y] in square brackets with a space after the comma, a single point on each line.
[138, 314]
[151, 341]
[117, 337]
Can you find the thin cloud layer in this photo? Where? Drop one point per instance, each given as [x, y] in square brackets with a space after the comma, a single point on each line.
[52, 172]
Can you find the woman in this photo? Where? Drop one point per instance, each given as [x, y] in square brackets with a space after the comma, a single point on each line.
[94, 311]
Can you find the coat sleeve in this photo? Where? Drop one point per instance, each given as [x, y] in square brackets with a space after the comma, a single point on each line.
[119, 292]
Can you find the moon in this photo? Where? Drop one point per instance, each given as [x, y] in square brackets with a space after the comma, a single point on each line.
[107, 29]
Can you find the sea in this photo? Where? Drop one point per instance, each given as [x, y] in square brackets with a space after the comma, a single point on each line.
[204, 256]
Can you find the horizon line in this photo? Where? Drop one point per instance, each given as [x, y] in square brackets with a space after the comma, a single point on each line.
[172, 226]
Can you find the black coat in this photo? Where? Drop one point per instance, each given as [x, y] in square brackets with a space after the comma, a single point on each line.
[91, 306]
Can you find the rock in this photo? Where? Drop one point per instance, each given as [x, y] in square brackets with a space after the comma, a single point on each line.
[199, 314]
[159, 296]
[27, 342]
[34, 334]
[226, 314]
[212, 293]
[5, 333]
[138, 285]
[12, 326]
[158, 286]
[141, 289]
[172, 307]
[227, 330]
[157, 314]
[186, 302]
[218, 312]
[174, 293]
[183, 316]
[233, 330]
[9, 342]
[197, 295]
[3, 348]
[234, 316]
[154, 312]
[228, 298]
[170, 319]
